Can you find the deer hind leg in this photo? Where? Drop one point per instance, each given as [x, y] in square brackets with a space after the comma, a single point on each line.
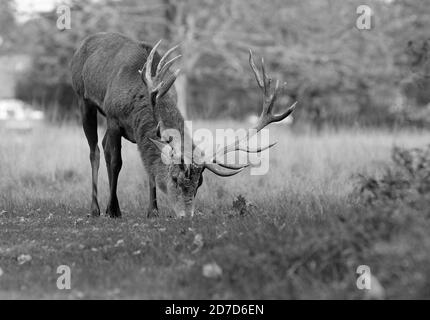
[153, 208]
[89, 123]
[112, 150]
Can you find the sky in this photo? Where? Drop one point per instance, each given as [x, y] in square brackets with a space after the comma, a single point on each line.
[27, 9]
[30, 6]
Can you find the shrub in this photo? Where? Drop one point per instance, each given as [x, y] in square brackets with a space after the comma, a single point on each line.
[406, 181]
[396, 221]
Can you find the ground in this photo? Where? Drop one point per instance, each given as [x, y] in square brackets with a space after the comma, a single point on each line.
[288, 239]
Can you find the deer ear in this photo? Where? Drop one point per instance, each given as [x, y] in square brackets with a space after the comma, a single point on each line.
[166, 150]
[160, 145]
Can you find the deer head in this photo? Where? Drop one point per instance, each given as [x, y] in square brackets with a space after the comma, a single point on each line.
[182, 173]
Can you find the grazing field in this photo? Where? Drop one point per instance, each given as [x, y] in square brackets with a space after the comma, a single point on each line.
[297, 232]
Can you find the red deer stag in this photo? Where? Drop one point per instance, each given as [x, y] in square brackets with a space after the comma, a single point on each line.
[130, 84]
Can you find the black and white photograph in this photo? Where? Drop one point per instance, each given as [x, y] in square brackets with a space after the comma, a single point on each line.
[233, 151]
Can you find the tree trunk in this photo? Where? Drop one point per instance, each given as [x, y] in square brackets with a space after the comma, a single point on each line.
[181, 86]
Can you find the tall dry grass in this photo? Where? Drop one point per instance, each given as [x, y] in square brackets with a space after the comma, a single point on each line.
[52, 164]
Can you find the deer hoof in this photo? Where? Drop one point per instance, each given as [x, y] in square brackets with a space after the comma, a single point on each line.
[95, 211]
[113, 213]
[152, 213]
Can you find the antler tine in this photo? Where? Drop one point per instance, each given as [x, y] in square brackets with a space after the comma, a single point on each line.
[266, 80]
[237, 147]
[282, 116]
[149, 63]
[270, 99]
[242, 166]
[164, 86]
[167, 66]
[164, 58]
[254, 69]
[232, 166]
[256, 150]
[221, 172]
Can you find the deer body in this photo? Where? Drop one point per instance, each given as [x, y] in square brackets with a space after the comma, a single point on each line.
[105, 77]
[130, 84]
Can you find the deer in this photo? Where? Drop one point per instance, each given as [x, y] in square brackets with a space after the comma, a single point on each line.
[130, 84]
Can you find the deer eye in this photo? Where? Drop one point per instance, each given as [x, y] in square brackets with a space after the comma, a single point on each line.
[175, 180]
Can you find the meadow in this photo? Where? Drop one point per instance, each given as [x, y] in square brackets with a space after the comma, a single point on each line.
[299, 231]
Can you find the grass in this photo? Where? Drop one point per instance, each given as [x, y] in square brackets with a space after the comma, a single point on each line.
[302, 235]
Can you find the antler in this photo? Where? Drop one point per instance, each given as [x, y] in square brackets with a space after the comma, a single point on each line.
[158, 84]
[266, 117]
[221, 172]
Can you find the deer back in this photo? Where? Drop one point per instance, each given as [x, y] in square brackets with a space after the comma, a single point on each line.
[108, 63]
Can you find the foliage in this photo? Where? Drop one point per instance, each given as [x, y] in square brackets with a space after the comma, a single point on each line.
[407, 181]
[340, 75]
[8, 32]
[397, 218]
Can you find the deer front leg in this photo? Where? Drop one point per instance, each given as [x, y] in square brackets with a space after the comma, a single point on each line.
[112, 150]
[89, 123]
[153, 208]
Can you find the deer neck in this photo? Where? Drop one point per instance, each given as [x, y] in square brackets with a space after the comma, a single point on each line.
[145, 126]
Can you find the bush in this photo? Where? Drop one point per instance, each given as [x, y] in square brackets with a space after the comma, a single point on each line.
[406, 181]
[395, 222]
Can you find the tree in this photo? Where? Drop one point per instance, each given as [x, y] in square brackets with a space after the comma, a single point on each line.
[338, 73]
[7, 25]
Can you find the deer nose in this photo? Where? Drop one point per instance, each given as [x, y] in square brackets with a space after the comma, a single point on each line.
[181, 214]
